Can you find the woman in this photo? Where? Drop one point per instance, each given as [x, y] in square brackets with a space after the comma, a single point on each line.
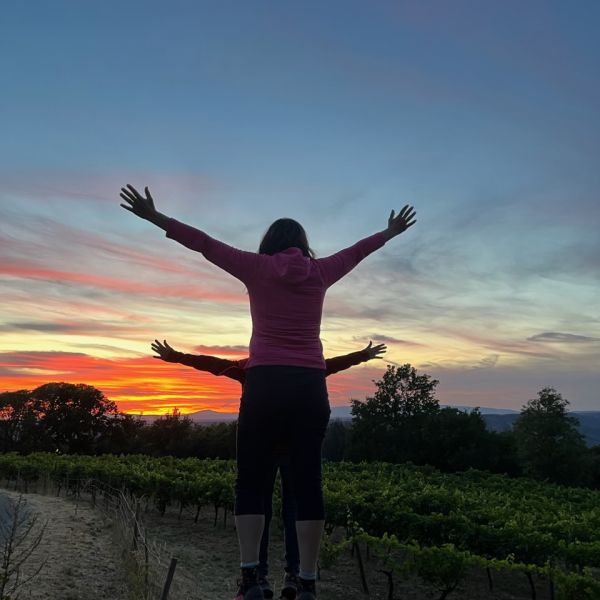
[235, 369]
[285, 396]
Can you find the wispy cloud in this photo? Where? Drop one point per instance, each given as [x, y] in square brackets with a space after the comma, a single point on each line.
[384, 339]
[233, 352]
[191, 290]
[104, 187]
[563, 338]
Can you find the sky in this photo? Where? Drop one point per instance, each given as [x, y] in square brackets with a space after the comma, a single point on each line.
[483, 115]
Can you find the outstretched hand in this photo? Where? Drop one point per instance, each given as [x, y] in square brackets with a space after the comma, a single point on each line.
[137, 204]
[375, 351]
[164, 351]
[400, 222]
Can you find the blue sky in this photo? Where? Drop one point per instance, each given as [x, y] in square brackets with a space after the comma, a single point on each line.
[483, 115]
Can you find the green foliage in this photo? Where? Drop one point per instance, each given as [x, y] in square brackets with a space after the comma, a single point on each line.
[170, 435]
[594, 471]
[401, 393]
[573, 586]
[454, 440]
[331, 551]
[388, 425]
[548, 442]
[336, 445]
[443, 566]
[403, 422]
[416, 520]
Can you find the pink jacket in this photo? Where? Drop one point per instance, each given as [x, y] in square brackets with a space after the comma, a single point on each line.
[286, 293]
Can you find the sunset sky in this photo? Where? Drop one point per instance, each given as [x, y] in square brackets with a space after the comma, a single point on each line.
[483, 115]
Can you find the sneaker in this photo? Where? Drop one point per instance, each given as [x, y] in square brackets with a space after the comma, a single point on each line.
[249, 589]
[306, 589]
[266, 587]
[290, 586]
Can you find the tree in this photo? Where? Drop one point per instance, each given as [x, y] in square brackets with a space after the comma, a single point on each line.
[20, 536]
[336, 444]
[403, 393]
[389, 425]
[123, 435]
[456, 440]
[549, 446]
[72, 417]
[217, 440]
[169, 435]
[19, 426]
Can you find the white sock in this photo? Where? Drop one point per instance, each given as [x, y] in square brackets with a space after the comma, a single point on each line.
[308, 575]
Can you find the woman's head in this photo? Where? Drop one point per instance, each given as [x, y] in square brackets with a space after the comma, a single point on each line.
[284, 234]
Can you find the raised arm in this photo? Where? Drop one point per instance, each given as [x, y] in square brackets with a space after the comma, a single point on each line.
[337, 265]
[201, 362]
[238, 263]
[340, 363]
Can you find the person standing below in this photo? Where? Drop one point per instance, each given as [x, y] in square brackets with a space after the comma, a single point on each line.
[235, 369]
[285, 393]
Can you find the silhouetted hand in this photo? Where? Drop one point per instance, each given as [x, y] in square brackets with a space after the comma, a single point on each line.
[137, 204]
[375, 351]
[164, 351]
[401, 222]
[143, 207]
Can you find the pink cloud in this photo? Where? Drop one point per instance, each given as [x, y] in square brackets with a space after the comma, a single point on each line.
[26, 270]
[234, 352]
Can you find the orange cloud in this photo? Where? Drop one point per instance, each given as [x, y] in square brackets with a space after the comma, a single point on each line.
[149, 385]
[136, 384]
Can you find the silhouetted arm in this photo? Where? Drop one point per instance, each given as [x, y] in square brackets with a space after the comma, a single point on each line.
[201, 362]
[340, 363]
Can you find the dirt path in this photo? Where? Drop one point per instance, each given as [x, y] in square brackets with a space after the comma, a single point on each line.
[77, 548]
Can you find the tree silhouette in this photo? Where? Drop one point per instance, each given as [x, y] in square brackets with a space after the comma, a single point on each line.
[389, 425]
[72, 417]
[549, 445]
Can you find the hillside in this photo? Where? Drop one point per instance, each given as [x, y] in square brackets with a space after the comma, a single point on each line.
[589, 423]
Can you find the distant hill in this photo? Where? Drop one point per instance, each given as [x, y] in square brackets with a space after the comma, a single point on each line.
[212, 416]
[201, 417]
[500, 422]
[589, 423]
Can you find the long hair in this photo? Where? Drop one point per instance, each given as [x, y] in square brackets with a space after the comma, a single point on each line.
[284, 234]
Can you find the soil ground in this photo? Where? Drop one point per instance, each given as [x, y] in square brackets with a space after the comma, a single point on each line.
[77, 552]
[82, 560]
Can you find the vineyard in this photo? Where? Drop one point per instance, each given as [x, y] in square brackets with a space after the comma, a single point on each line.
[399, 520]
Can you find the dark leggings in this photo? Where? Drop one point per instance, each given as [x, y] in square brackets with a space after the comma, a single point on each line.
[282, 408]
[288, 515]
